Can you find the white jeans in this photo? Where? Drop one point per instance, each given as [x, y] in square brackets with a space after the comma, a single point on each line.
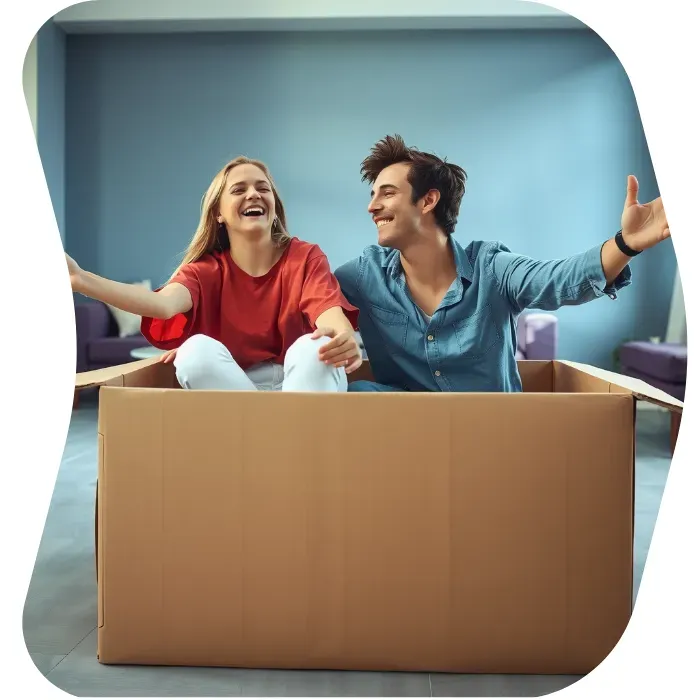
[204, 363]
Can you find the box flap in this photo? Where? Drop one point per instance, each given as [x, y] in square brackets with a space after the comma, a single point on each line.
[623, 384]
[111, 376]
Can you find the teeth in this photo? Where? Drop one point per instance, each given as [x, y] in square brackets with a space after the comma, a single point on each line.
[254, 210]
[382, 222]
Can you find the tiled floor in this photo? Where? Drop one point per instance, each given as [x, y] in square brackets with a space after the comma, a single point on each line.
[60, 612]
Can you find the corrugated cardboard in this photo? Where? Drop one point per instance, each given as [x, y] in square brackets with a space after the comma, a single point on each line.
[485, 533]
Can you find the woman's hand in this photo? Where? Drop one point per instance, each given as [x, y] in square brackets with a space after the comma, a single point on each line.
[75, 272]
[342, 351]
[169, 357]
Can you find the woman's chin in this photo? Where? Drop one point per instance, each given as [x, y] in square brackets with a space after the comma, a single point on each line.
[256, 229]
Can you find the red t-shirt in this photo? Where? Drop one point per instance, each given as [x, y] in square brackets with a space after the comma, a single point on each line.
[256, 318]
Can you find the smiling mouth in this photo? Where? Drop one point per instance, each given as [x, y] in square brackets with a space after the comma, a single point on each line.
[383, 221]
[254, 212]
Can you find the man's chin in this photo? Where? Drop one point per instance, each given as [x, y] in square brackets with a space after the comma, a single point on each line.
[385, 240]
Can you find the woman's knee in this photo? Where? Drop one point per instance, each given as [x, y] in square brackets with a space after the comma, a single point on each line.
[305, 351]
[304, 370]
[196, 356]
[197, 347]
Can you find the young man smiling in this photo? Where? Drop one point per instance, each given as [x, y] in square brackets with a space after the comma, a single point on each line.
[435, 316]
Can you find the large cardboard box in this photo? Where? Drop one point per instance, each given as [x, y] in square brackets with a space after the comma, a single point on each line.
[485, 533]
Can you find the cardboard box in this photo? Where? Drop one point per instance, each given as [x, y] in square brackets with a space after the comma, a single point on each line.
[485, 533]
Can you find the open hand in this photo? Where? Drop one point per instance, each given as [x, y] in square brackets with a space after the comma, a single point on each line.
[643, 225]
[74, 271]
[342, 351]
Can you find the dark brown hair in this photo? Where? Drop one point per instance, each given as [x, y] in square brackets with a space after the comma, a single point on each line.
[427, 172]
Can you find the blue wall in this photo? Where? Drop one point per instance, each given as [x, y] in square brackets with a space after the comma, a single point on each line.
[545, 124]
[51, 109]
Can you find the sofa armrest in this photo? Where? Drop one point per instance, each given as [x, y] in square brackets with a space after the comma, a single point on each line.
[92, 321]
[537, 336]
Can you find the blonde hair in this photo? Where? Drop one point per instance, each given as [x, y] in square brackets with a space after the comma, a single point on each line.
[210, 235]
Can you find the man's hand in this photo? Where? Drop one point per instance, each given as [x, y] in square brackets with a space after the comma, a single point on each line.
[342, 351]
[643, 225]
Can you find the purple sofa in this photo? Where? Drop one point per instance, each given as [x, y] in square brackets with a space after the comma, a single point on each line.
[536, 334]
[97, 338]
[663, 365]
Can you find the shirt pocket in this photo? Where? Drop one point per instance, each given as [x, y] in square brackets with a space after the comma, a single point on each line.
[478, 334]
[392, 327]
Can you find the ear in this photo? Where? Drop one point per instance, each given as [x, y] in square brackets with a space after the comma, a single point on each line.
[430, 201]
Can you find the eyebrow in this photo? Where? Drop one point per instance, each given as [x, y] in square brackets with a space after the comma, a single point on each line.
[385, 187]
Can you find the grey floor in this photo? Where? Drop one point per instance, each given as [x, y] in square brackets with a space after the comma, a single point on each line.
[60, 611]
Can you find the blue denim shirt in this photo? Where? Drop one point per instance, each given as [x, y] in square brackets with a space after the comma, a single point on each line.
[469, 344]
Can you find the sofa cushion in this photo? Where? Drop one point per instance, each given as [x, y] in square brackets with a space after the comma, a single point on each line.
[675, 389]
[664, 361]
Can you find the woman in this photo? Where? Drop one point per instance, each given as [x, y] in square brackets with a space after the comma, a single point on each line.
[250, 307]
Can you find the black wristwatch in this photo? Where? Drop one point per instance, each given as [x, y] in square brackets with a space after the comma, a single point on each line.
[624, 247]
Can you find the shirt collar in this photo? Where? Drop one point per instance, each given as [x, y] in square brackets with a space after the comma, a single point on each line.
[465, 270]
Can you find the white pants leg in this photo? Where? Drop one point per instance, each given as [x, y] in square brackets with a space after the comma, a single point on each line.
[204, 363]
[303, 371]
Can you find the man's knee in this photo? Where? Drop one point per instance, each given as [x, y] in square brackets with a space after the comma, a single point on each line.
[366, 385]
[362, 385]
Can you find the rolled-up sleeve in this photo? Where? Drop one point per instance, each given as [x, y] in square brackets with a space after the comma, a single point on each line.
[550, 284]
[170, 333]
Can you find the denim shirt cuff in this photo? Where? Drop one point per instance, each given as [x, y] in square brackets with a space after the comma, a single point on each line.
[596, 275]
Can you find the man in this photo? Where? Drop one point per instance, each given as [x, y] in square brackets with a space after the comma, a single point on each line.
[435, 316]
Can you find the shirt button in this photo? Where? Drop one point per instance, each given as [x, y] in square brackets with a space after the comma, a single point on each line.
[437, 373]
[430, 337]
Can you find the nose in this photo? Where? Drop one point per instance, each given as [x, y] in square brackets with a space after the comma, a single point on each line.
[373, 206]
[252, 194]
